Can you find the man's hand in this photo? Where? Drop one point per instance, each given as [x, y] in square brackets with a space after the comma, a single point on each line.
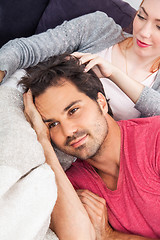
[2, 73]
[97, 211]
[34, 118]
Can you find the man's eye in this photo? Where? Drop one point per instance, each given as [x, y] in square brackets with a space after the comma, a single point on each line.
[72, 111]
[54, 124]
[141, 17]
[158, 27]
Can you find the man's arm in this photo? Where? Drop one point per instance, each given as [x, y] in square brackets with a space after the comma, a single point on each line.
[97, 211]
[69, 218]
[89, 33]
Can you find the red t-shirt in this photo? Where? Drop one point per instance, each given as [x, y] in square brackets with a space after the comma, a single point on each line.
[134, 207]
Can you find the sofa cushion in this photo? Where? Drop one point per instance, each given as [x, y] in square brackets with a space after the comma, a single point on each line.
[19, 18]
[26, 146]
[59, 10]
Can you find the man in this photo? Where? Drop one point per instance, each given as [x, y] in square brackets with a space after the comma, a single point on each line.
[118, 162]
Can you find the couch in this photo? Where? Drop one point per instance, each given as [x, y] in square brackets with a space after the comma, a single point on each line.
[20, 209]
[22, 18]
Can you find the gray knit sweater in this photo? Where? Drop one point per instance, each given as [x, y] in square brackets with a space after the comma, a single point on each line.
[89, 33]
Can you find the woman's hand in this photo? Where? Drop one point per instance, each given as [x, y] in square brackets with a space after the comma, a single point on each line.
[34, 118]
[97, 211]
[101, 67]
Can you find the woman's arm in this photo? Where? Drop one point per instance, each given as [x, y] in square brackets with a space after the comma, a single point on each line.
[147, 100]
[89, 33]
[103, 68]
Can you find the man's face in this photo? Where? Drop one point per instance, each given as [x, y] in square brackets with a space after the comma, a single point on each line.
[77, 123]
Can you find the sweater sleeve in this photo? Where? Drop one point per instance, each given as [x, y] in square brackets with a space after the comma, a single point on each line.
[89, 33]
[149, 102]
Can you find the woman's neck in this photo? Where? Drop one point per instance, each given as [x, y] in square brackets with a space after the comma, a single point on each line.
[136, 66]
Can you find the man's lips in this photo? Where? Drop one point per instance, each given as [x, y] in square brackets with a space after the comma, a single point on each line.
[142, 44]
[78, 141]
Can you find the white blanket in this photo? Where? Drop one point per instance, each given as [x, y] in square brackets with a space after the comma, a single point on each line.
[27, 185]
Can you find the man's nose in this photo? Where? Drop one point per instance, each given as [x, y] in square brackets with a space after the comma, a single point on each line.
[68, 128]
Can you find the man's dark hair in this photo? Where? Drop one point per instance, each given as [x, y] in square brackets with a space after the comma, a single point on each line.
[56, 70]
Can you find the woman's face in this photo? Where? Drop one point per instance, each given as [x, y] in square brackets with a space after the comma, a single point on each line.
[146, 29]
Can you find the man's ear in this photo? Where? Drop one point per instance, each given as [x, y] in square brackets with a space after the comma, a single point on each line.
[102, 103]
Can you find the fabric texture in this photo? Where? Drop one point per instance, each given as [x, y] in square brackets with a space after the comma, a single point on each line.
[15, 129]
[27, 185]
[21, 126]
[85, 34]
[27, 205]
[19, 18]
[59, 10]
[77, 34]
[149, 101]
[134, 207]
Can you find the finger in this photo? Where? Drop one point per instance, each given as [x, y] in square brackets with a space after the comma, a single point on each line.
[78, 54]
[91, 213]
[28, 100]
[97, 215]
[87, 58]
[100, 223]
[84, 57]
[97, 207]
[2, 73]
[85, 192]
[30, 110]
[34, 117]
[96, 61]
[96, 197]
[95, 202]
[28, 118]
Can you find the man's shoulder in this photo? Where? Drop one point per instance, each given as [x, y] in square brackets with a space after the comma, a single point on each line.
[78, 164]
[78, 168]
[82, 175]
[149, 128]
[140, 122]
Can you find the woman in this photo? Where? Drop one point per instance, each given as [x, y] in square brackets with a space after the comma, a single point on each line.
[84, 34]
[140, 52]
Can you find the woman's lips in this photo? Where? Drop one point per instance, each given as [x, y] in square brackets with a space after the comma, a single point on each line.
[142, 44]
[78, 142]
